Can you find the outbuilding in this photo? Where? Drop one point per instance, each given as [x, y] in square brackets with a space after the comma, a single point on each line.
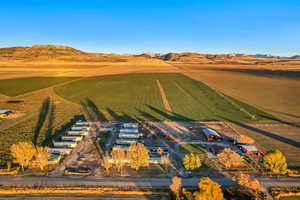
[4, 113]
[211, 135]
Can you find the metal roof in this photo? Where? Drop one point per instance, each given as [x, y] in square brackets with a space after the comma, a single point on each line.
[4, 111]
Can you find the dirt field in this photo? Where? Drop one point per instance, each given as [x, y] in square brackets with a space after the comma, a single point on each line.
[276, 92]
[11, 70]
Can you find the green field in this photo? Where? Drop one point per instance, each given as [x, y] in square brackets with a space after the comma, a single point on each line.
[18, 86]
[137, 96]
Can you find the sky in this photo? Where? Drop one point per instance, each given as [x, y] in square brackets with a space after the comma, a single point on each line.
[129, 26]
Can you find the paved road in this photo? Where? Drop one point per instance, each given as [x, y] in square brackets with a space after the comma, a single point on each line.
[280, 182]
[129, 182]
[104, 182]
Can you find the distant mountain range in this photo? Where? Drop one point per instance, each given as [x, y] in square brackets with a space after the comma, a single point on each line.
[69, 54]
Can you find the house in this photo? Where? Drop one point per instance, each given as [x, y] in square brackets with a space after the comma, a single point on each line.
[211, 135]
[60, 150]
[4, 113]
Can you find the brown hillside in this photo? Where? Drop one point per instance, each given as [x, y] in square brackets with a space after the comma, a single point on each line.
[53, 52]
[225, 59]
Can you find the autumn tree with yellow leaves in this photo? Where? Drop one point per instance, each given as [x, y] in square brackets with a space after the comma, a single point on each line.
[191, 161]
[41, 157]
[106, 164]
[119, 157]
[209, 190]
[23, 152]
[228, 158]
[138, 155]
[244, 180]
[176, 186]
[275, 161]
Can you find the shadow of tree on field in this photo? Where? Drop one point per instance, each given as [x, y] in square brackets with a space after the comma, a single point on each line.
[121, 117]
[282, 121]
[283, 113]
[51, 119]
[147, 116]
[41, 119]
[173, 116]
[266, 133]
[95, 110]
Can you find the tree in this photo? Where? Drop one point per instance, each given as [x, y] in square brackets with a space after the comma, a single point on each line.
[23, 153]
[138, 155]
[175, 187]
[106, 164]
[41, 157]
[165, 160]
[275, 161]
[119, 157]
[245, 181]
[209, 190]
[191, 161]
[229, 158]
[244, 139]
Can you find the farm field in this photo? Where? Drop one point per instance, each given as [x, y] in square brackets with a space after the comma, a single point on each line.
[38, 116]
[18, 86]
[190, 100]
[276, 92]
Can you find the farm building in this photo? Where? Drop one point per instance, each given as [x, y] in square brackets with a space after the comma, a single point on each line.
[82, 133]
[159, 150]
[129, 130]
[60, 150]
[80, 128]
[4, 113]
[130, 135]
[82, 123]
[54, 158]
[249, 149]
[75, 138]
[128, 141]
[211, 135]
[216, 149]
[131, 125]
[69, 144]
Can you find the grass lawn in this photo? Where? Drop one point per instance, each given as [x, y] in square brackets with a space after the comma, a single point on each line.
[290, 198]
[18, 86]
[137, 96]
